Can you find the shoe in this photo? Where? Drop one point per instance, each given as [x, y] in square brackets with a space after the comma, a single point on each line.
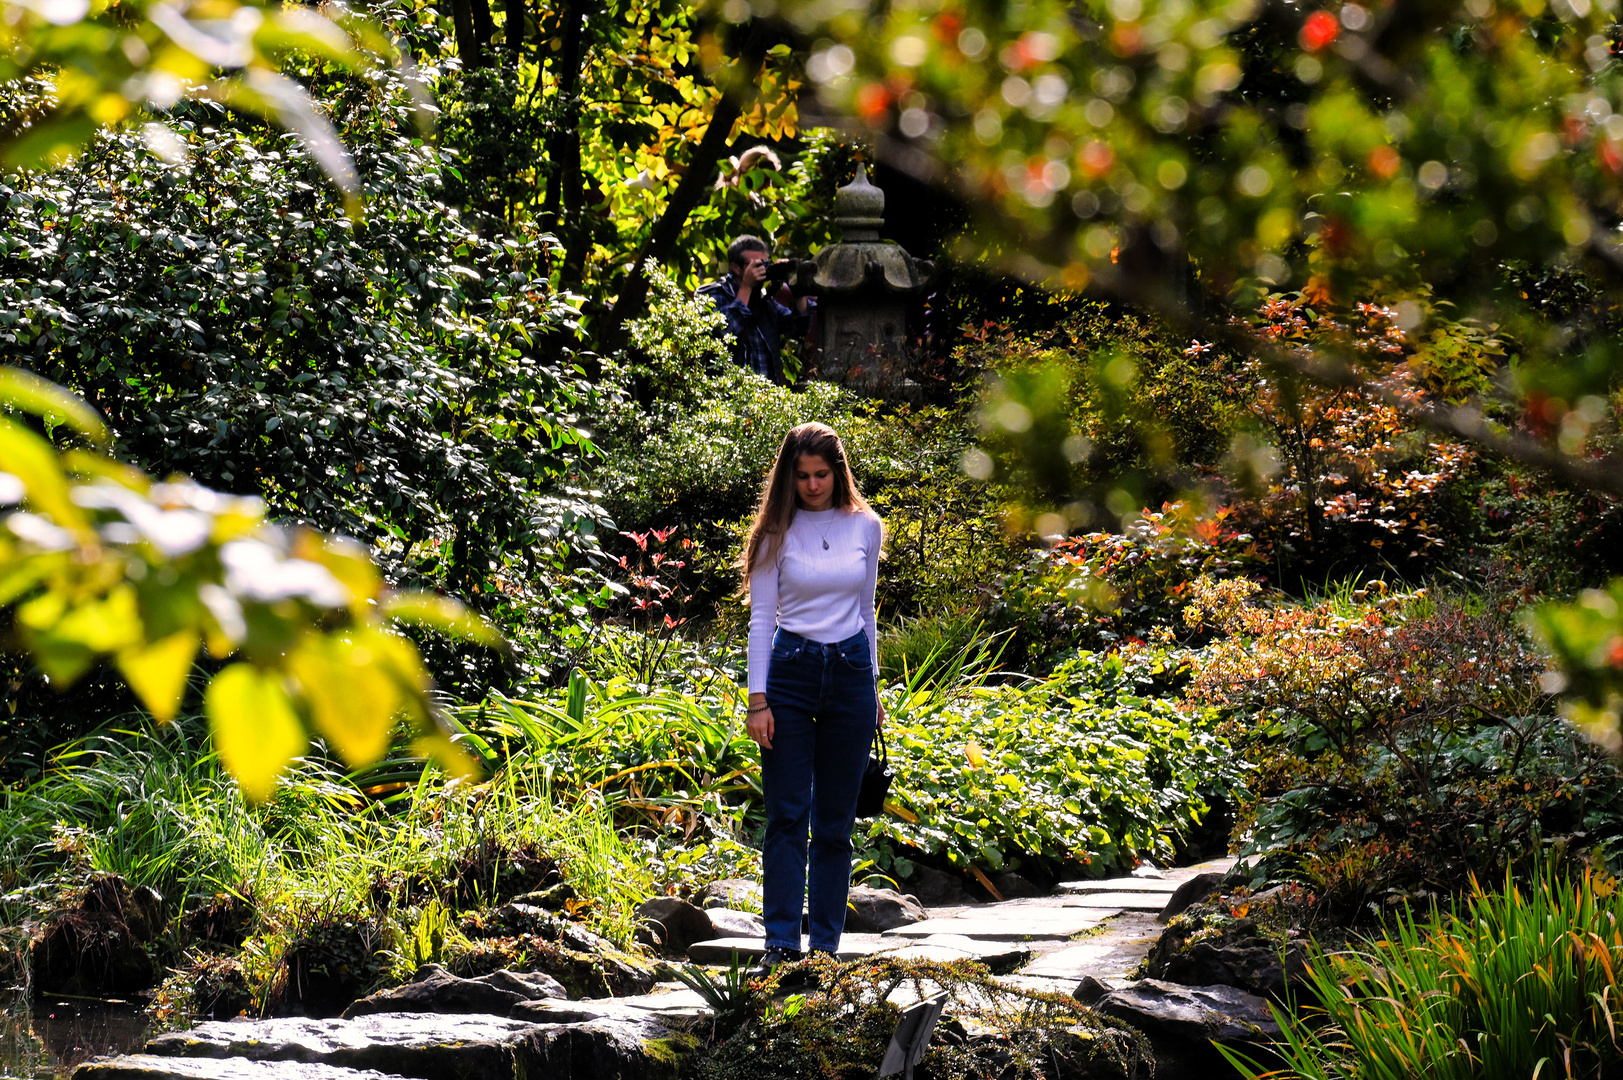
[803, 979]
[772, 959]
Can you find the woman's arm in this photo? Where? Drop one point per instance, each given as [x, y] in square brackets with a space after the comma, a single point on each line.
[763, 623]
[870, 618]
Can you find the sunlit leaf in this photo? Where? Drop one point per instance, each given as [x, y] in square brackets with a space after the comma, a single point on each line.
[157, 672]
[444, 614]
[52, 403]
[254, 727]
[353, 697]
[30, 459]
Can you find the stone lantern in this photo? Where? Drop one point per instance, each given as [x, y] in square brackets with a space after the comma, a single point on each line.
[863, 285]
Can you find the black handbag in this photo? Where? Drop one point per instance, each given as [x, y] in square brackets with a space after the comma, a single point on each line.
[876, 778]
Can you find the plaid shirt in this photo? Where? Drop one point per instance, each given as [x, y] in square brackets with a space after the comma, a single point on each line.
[757, 330]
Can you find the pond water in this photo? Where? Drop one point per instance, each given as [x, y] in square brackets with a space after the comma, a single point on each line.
[47, 1040]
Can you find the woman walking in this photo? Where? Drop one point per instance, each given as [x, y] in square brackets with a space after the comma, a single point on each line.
[810, 565]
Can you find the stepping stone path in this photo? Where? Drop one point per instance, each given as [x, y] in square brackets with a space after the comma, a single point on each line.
[1115, 914]
[1098, 929]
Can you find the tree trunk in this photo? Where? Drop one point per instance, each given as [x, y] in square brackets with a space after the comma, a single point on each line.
[484, 28]
[514, 30]
[473, 30]
[695, 183]
[560, 212]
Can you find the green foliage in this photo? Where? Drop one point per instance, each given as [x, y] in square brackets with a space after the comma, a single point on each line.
[106, 62]
[1085, 767]
[730, 997]
[1521, 980]
[651, 755]
[401, 379]
[317, 867]
[1586, 638]
[1102, 398]
[698, 467]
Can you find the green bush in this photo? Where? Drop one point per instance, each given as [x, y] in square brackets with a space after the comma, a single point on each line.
[1082, 769]
[1519, 981]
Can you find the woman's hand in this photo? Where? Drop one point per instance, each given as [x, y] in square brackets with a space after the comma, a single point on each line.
[758, 724]
[879, 721]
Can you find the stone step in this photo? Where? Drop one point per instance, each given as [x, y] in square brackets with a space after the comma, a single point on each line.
[1118, 901]
[435, 1045]
[1121, 884]
[153, 1067]
[1025, 924]
[999, 955]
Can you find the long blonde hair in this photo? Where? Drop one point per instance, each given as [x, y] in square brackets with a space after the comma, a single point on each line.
[778, 502]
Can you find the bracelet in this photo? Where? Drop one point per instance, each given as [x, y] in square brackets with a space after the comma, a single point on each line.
[759, 708]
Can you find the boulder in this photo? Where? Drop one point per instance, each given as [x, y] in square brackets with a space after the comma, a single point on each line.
[873, 911]
[433, 989]
[727, 922]
[736, 893]
[1238, 956]
[1090, 990]
[1191, 892]
[587, 965]
[97, 948]
[635, 1046]
[1012, 886]
[553, 898]
[1181, 1022]
[935, 888]
[670, 924]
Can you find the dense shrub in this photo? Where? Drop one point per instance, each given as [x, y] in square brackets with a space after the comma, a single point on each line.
[1401, 741]
[1104, 588]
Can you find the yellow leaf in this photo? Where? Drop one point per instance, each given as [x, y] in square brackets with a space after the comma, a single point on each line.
[30, 459]
[976, 756]
[893, 807]
[450, 757]
[255, 730]
[157, 672]
[352, 694]
[445, 615]
[52, 403]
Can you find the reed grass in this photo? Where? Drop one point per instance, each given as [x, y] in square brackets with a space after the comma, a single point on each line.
[1515, 983]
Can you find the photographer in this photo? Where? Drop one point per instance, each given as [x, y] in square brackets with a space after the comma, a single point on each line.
[759, 308]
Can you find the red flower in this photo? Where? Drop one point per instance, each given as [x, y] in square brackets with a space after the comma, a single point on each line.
[1319, 31]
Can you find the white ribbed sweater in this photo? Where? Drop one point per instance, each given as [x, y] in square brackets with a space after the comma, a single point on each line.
[824, 595]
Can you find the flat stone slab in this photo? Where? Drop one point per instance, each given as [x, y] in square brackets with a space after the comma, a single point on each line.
[1165, 886]
[1025, 925]
[675, 1008]
[720, 950]
[1119, 901]
[996, 954]
[152, 1067]
[435, 1045]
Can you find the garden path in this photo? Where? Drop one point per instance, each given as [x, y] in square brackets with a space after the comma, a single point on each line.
[1101, 929]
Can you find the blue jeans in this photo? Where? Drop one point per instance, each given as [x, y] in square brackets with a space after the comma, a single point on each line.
[823, 711]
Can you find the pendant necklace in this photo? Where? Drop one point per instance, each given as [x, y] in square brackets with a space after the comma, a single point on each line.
[823, 533]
